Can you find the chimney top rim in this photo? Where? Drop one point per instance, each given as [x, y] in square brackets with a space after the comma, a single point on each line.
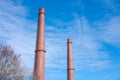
[42, 10]
[69, 40]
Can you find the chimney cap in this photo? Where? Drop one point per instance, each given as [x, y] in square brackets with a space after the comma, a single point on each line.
[41, 11]
[69, 40]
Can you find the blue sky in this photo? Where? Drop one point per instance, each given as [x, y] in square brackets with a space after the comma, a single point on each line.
[93, 25]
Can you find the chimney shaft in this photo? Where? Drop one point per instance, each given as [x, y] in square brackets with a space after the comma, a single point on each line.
[70, 67]
[40, 48]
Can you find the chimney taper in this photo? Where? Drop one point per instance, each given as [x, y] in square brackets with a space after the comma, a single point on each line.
[39, 66]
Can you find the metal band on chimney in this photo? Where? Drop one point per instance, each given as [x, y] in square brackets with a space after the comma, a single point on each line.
[41, 13]
[40, 50]
[71, 69]
[69, 42]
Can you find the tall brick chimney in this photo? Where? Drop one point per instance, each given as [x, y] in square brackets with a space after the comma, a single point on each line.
[70, 67]
[39, 67]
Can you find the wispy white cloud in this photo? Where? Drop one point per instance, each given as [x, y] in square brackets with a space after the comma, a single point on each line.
[108, 31]
[86, 48]
[112, 31]
[15, 30]
[9, 7]
[109, 5]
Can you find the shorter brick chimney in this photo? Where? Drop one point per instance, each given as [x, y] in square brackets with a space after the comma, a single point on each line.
[70, 67]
